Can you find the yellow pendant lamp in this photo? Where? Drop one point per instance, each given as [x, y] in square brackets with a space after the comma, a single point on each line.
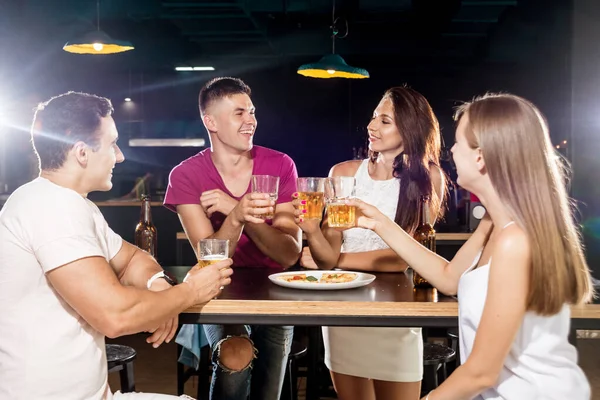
[333, 65]
[97, 42]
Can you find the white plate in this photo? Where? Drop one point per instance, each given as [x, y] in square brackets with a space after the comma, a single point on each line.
[362, 279]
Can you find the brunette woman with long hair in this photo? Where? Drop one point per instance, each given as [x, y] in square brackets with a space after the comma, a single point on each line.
[402, 168]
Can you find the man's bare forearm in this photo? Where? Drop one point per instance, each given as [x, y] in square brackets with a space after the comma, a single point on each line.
[140, 267]
[230, 230]
[279, 246]
[143, 310]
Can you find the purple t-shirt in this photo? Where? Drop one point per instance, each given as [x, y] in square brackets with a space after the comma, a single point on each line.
[198, 174]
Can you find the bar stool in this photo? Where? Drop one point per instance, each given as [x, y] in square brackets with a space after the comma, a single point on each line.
[203, 373]
[435, 357]
[120, 359]
[454, 345]
[290, 383]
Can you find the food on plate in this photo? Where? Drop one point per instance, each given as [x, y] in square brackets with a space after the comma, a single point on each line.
[339, 277]
[299, 278]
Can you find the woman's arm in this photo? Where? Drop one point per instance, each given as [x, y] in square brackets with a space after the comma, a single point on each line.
[326, 244]
[385, 260]
[502, 317]
[437, 270]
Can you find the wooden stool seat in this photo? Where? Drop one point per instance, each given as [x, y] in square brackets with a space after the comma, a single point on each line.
[120, 358]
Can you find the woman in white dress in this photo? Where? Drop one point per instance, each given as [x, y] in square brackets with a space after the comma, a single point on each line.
[520, 271]
[404, 144]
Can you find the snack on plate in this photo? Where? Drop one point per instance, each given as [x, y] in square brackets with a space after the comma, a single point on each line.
[299, 278]
[338, 277]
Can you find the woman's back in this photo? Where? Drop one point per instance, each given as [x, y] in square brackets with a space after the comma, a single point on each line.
[541, 363]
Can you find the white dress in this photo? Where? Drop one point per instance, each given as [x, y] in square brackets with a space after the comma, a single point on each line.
[387, 354]
[541, 364]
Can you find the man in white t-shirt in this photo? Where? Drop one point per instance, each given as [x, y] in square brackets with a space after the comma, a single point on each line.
[66, 279]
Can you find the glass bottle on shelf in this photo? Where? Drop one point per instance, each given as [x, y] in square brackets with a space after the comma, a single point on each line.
[145, 231]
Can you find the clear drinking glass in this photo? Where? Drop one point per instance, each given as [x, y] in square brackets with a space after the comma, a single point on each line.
[338, 189]
[266, 184]
[312, 191]
[211, 251]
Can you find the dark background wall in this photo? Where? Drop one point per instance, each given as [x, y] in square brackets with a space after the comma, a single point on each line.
[543, 50]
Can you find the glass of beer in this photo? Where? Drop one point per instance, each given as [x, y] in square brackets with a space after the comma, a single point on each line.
[266, 184]
[312, 191]
[211, 251]
[338, 189]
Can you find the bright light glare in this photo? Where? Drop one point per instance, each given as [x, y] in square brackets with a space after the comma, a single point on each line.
[207, 68]
[331, 71]
[127, 99]
[98, 46]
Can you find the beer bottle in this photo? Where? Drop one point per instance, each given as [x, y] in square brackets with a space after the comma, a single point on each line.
[425, 234]
[145, 231]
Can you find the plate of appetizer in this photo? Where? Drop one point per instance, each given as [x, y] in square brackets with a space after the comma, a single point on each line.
[322, 280]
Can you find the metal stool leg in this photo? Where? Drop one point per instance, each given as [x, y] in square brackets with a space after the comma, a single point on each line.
[126, 377]
[180, 373]
[430, 378]
[203, 374]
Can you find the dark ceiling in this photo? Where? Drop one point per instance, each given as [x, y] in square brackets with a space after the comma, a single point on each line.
[197, 32]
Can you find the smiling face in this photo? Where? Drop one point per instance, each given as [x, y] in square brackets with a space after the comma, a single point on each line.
[102, 159]
[384, 135]
[232, 122]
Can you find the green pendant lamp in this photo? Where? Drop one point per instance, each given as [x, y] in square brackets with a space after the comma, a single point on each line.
[333, 65]
[97, 42]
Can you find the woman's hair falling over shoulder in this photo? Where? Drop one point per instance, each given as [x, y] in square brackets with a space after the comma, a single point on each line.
[530, 178]
[421, 139]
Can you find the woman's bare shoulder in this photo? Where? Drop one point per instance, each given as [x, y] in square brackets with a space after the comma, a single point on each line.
[346, 168]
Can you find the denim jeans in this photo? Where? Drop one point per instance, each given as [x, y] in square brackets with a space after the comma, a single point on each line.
[263, 379]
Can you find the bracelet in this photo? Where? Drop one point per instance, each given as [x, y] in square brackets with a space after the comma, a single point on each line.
[154, 277]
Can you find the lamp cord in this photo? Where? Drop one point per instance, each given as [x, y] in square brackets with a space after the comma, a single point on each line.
[333, 30]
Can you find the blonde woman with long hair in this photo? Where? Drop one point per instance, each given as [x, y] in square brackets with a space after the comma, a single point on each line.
[520, 271]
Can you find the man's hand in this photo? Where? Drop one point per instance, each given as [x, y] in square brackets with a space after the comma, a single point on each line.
[217, 201]
[166, 330]
[207, 282]
[251, 206]
[306, 259]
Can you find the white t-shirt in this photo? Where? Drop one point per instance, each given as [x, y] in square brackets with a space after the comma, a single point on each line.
[47, 350]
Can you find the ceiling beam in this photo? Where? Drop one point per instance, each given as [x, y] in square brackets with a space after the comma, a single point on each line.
[200, 5]
[203, 16]
[504, 3]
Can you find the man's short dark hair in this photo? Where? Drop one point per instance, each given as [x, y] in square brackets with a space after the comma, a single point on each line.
[218, 88]
[64, 120]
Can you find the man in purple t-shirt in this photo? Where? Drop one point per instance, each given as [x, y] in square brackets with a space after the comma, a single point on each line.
[211, 194]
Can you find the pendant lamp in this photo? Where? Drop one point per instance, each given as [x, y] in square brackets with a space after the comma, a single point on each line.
[333, 65]
[97, 42]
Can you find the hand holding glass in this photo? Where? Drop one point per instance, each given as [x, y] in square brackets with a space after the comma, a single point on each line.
[311, 190]
[211, 251]
[266, 184]
[338, 189]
